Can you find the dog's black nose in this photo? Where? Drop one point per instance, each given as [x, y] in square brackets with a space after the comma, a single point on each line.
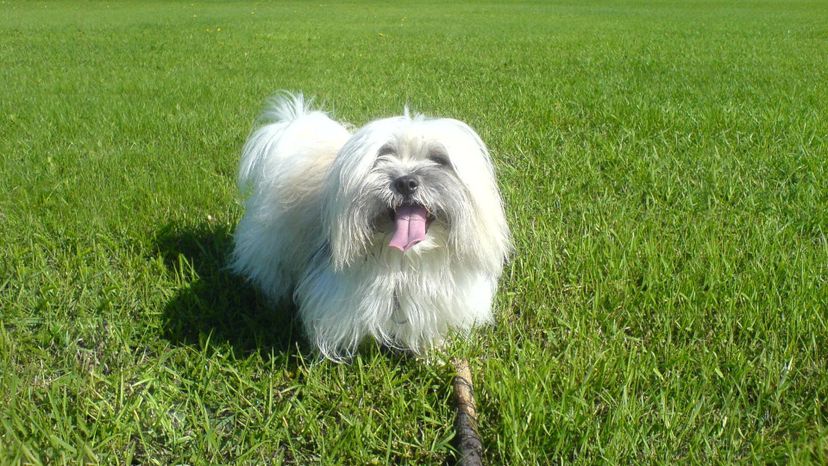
[406, 185]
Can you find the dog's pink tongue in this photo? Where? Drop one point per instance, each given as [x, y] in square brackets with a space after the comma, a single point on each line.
[410, 227]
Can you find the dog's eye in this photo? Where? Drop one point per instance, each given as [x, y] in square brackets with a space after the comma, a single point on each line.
[440, 159]
[387, 149]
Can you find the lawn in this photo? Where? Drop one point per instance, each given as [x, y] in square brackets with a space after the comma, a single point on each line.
[663, 165]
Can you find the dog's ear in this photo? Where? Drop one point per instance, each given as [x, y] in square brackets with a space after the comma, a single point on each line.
[348, 234]
[345, 225]
[476, 172]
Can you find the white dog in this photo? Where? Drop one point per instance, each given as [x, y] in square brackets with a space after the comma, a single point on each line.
[395, 231]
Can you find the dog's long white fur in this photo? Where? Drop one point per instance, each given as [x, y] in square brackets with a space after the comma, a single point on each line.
[309, 230]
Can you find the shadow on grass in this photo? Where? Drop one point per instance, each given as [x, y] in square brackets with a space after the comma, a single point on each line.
[213, 303]
[216, 304]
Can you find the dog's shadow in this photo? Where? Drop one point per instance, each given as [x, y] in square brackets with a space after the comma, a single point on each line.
[212, 303]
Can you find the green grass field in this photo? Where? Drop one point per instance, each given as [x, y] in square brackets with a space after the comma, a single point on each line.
[664, 171]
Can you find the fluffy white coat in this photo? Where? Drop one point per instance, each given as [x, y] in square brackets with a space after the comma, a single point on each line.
[320, 211]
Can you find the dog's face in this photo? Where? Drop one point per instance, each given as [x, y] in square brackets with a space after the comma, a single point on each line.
[415, 184]
[411, 187]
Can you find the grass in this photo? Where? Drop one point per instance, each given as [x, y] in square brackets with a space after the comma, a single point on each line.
[664, 168]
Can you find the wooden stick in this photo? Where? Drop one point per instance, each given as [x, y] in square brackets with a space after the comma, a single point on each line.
[469, 446]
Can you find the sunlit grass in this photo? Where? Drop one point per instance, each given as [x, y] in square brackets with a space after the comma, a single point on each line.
[664, 172]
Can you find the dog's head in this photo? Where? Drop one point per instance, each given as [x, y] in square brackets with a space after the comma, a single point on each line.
[416, 185]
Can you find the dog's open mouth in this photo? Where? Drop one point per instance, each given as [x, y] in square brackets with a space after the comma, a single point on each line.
[410, 225]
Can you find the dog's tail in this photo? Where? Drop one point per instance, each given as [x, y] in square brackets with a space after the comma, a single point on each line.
[280, 111]
[287, 128]
[285, 106]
